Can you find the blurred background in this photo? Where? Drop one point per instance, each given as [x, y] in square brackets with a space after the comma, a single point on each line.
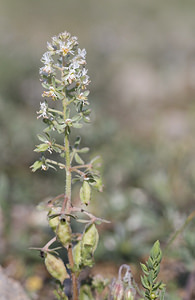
[141, 61]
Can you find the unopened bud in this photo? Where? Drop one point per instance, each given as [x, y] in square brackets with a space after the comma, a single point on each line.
[56, 267]
[129, 293]
[118, 290]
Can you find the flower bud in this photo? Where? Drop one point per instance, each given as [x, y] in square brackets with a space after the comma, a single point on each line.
[56, 267]
[129, 293]
[117, 290]
[63, 232]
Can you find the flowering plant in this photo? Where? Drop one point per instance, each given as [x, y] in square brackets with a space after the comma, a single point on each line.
[65, 107]
[64, 78]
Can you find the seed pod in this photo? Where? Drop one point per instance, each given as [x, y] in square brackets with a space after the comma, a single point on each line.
[91, 237]
[85, 193]
[63, 232]
[89, 244]
[77, 254]
[52, 219]
[53, 222]
[56, 267]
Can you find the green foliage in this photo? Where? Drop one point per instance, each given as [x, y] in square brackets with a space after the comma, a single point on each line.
[154, 289]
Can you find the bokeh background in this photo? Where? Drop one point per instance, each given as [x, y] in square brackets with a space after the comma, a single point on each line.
[141, 61]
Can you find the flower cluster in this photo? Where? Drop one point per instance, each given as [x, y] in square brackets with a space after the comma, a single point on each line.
[64, 65]
[64, 78]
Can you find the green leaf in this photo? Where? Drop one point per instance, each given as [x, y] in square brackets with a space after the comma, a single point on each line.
[77, 141]
[83, 150]
[155, 251]
[86, 119]
[86, 93]
[56, 149]
[150, 263]
[76, 118]
[86, 112]
[41, 148]
[46, 86]
[96, 161]
[150, 277]
[144, 269]
[77, 125]
[37, 165]
[42, 138]
[144, 282]
[156, 286]
[49, 128]
[78, 159]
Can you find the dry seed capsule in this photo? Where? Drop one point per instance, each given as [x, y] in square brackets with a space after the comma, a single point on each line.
[56, 267]
[77, 254]
[63, 232]
[91, 237]
[87, 256]
[89, 244]
[53, 221]
[85, 193]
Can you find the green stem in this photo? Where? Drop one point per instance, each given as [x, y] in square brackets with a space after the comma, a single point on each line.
[188, 220]
[62, 166]
[68, 172]
[68, 199]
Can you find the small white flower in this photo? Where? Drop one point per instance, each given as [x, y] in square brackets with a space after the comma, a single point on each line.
[46, 70]
[82, 53]
[55, 40]
[44, 167]
[49, 46]
[82, 75]
[71, 75]
[84, 72]
[65, 48]
[43, 110]
[46, 58]
[50, 93]
[74, 65]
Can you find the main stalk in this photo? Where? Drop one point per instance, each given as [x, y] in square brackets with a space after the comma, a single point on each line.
[69, 203]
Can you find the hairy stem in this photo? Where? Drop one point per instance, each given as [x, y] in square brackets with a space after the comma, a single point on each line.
[68, 201]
